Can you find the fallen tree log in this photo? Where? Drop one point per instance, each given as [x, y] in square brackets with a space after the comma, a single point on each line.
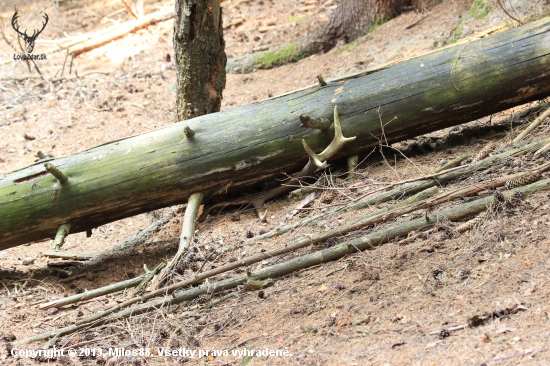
[240, 147]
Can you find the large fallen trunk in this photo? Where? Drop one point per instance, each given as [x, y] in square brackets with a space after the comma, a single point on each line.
[242, 146]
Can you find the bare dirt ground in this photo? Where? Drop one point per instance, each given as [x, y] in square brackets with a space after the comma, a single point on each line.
[384, 306]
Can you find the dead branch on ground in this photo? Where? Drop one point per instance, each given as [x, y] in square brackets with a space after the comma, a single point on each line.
[545, 114]
[86, 42]
[87, 295]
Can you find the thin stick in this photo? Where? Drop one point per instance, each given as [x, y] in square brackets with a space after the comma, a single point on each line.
[532, 126]
[457, 327]
[67, 255]
[542, 150]
[146, 279]
[87, 295]
[510, 15]
[453, 163]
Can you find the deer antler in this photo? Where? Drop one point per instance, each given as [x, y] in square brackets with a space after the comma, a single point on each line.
[29, 40]
[43, 26]
[339, 140]
[24, 34]
[15, 25]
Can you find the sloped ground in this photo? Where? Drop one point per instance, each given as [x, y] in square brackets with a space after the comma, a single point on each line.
[378, 307]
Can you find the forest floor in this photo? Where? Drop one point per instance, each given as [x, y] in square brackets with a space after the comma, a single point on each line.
[385, 306]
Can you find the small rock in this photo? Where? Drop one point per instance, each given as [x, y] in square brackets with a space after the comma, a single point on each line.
[463, 273]
[52, 311]
[371, 275]
[202, 321]
[9, 337]
[28, 261]
[28, 137]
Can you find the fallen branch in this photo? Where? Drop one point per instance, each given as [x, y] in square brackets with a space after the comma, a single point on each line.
[148, 277]
[369, 241]
[299, 192]
[542, 150]
[87, 295]
[532, 125]
[67, 255]
[87, 42]
[453, 163]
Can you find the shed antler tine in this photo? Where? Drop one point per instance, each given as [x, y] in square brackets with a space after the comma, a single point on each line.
[318, 163]
[339, 140]
[336, 144]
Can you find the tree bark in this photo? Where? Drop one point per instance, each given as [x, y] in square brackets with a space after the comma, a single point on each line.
[200, 57]
[350, 20]
[240, 147]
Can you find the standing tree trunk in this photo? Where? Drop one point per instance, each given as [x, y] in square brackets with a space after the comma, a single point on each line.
[350, 20]
[200, 57]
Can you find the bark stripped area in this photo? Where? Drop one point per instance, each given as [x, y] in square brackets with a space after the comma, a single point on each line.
[200, 57]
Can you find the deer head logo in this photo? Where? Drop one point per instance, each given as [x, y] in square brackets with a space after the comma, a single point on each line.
[29, 40]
